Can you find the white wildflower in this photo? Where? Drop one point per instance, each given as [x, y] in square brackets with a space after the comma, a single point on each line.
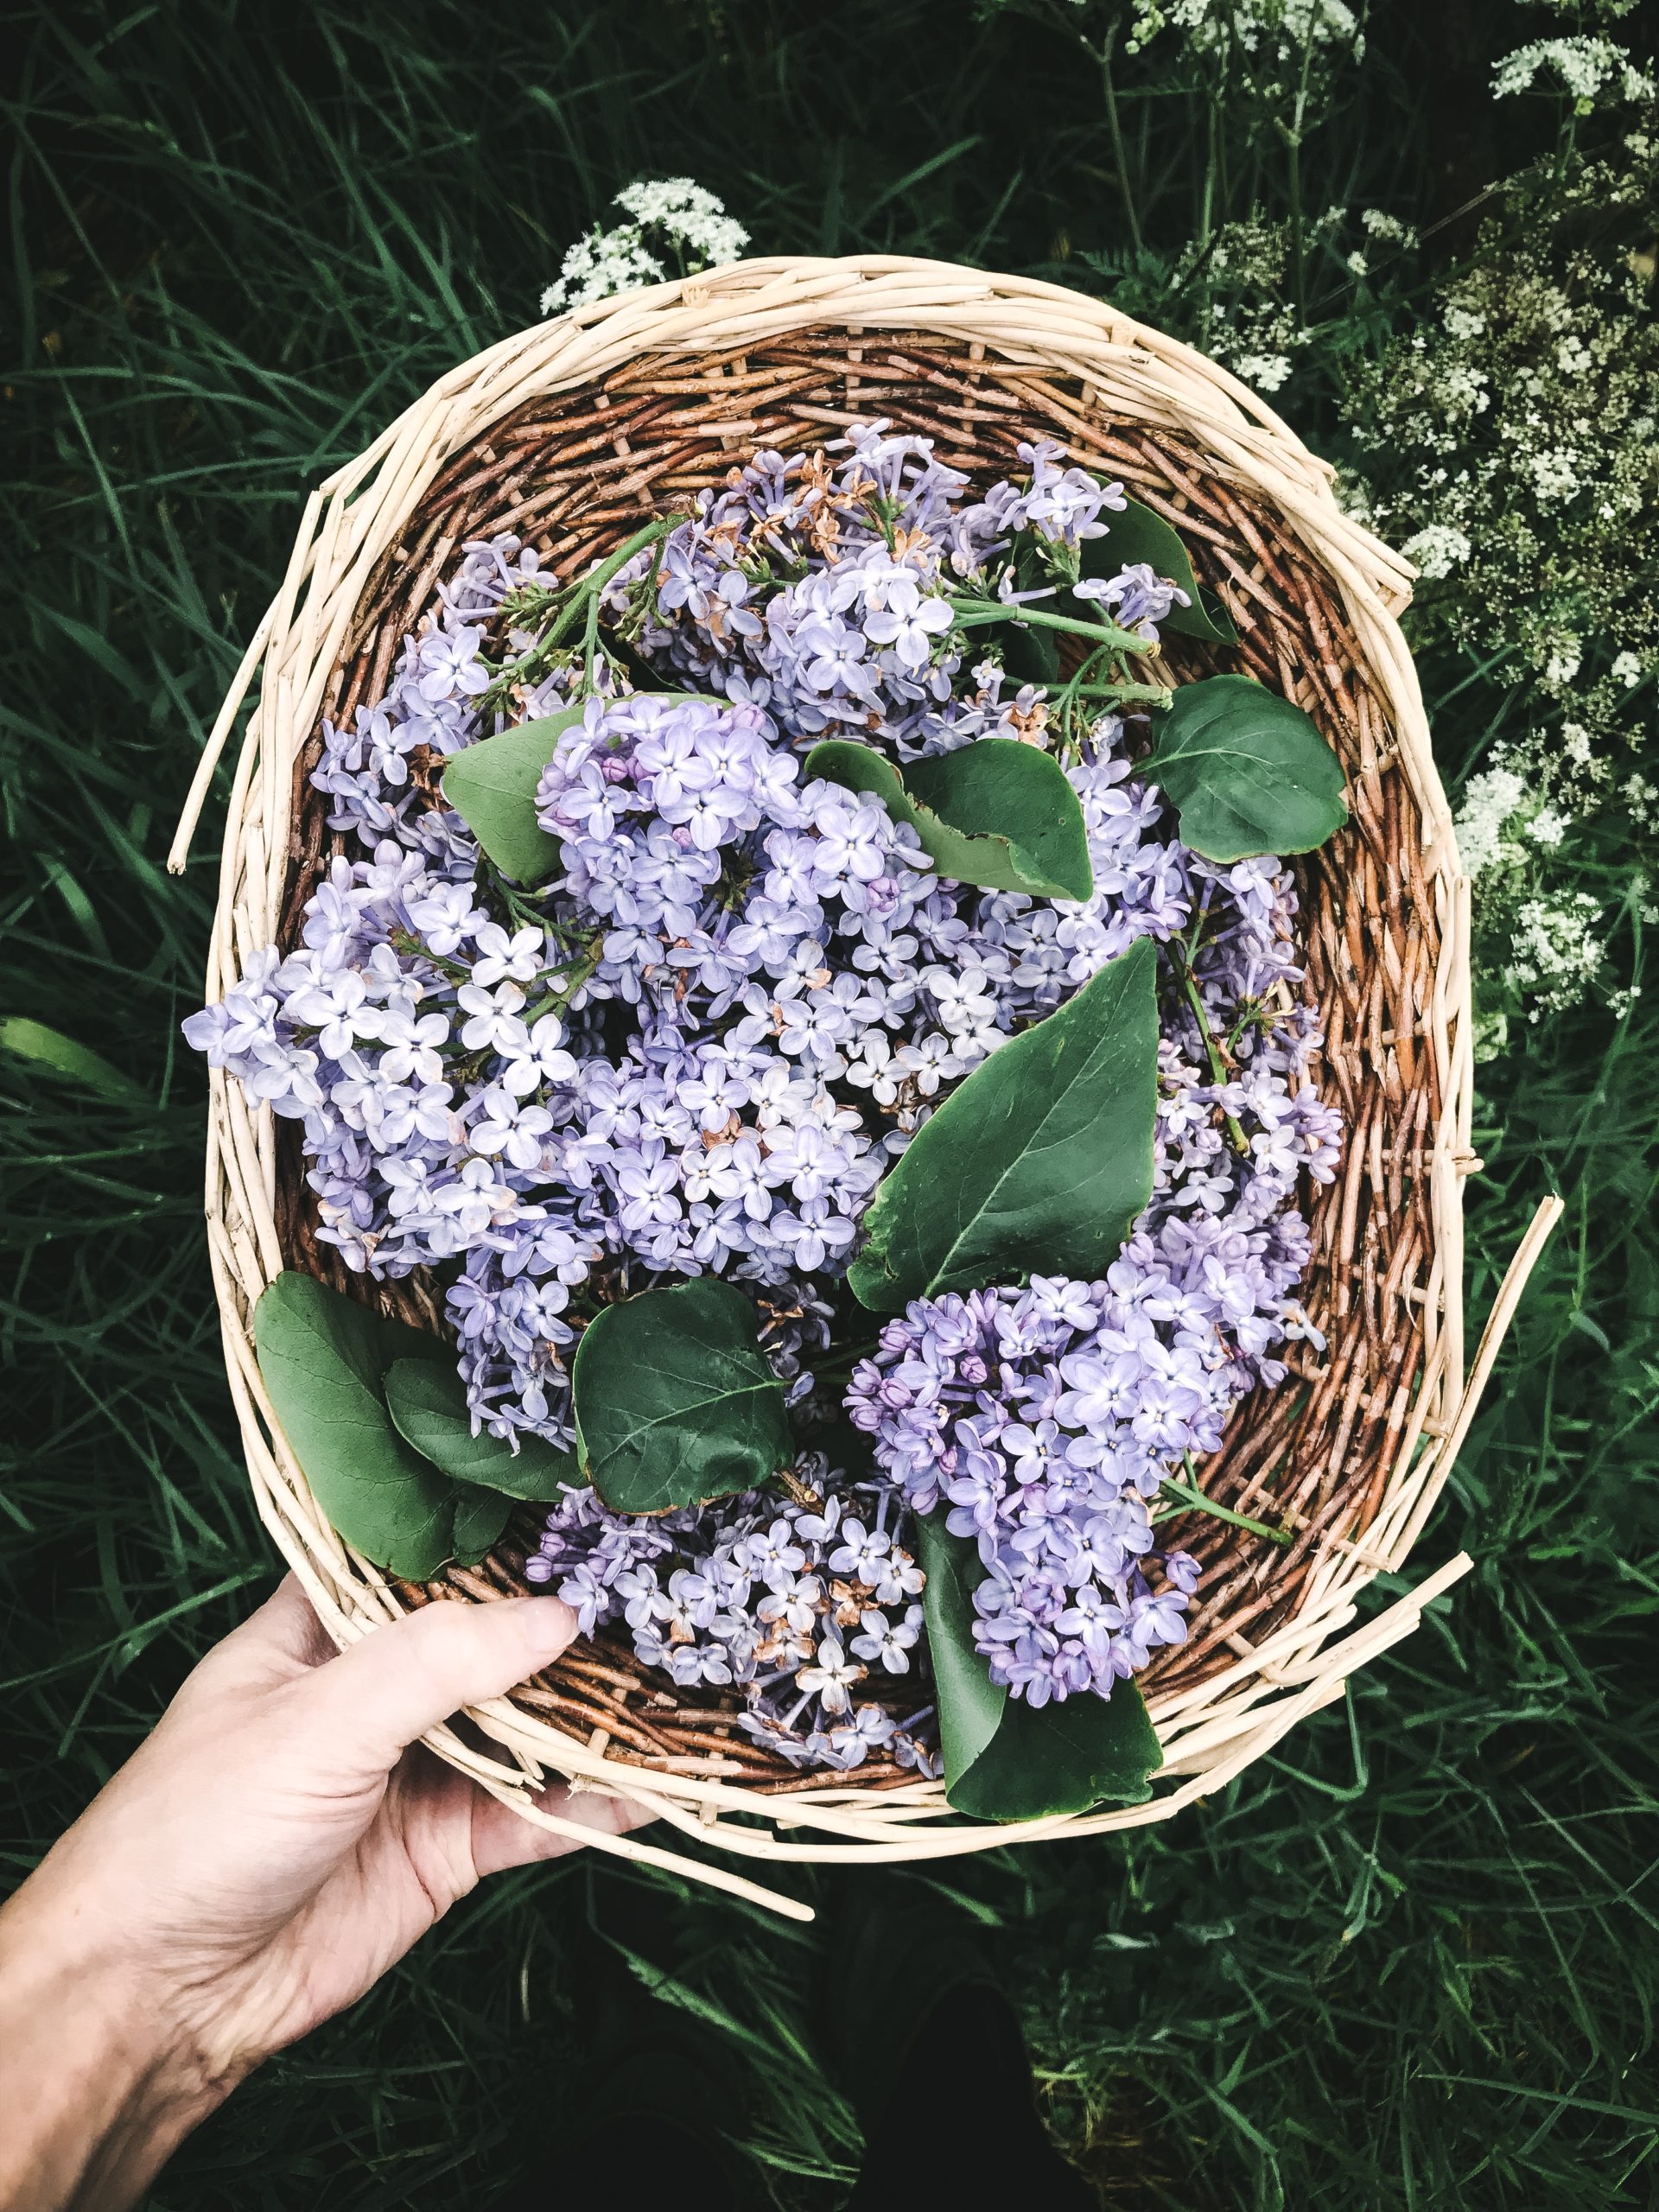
[690, 213]
[1627, 669]
[688, 220]
[1553, 472]
[1280, 30]
[1593, 70]
[1266, 372]
[596, 267]
[1489, 801]
[1379, 224]
[1555, 950]
[1437, 550]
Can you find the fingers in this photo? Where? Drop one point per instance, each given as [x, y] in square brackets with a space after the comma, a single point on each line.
[503, 1838]
[401, 1680]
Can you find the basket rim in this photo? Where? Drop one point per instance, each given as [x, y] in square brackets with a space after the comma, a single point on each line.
[351, 522]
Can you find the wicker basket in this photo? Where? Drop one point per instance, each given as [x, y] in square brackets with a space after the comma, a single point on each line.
[573, 433]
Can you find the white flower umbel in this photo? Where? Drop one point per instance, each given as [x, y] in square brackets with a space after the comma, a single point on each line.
[1437, 550]
[1595, 71]
[687, 225]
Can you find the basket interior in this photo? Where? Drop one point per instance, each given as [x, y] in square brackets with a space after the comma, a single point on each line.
[578, 471]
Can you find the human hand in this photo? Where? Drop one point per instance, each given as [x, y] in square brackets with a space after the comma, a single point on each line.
[278, 1842]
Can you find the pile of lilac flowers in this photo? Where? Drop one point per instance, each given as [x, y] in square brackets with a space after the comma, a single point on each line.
[825, 593]
[699, 1047]
[795, 1604]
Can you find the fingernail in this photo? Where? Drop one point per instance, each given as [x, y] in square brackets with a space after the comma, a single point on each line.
[550, 1626]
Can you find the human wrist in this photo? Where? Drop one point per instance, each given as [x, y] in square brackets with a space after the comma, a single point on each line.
[100, 2081]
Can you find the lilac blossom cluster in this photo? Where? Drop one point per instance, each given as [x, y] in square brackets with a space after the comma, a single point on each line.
[1047, 1420]
[778, 949]
[810, 1610]
[827, 593]
[700, 1044]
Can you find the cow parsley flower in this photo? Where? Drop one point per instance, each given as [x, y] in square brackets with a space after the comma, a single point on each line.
[674, 220]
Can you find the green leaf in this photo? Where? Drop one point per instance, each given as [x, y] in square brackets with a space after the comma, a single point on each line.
[1040, 1159]
[50, 1048]
[1064, 1756]
[426, 1401]
[491, 785]
[322, 1356]
[1030, 652]
[996, 813]
[675, 1401]
[1138, 535]
[1249, 772]
[1005, 1759]
[481, 1515]
[970, 1704]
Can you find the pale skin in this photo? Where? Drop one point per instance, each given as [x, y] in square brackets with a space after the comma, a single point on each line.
[280, 1840]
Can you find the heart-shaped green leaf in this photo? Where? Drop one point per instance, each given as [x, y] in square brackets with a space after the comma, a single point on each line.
[322, 1356]
[491, 785]
[996, 813]
[1006, 1759]
[1138, 535]
[426, 1401]
[1040, 1159]
[1249, 772]
[675, 1401]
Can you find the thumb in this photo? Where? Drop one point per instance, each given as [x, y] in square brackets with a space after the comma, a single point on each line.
[377, 1697]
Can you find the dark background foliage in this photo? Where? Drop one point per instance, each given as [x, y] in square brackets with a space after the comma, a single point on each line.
[1409, 1961]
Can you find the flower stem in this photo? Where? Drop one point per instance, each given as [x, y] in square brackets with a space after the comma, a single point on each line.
[974, 613]
[579, 602]
[1190, 1494]
[1153, 694]
[1218, 1071]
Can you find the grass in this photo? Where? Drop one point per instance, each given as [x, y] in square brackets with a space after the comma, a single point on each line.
[1410, 1961]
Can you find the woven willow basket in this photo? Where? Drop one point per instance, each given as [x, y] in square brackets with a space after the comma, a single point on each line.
[571, 435]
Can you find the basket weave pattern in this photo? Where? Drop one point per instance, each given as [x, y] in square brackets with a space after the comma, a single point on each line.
[573, 433]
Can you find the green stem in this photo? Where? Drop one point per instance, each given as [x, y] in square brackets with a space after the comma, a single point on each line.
[1190, 1494]
[974, 613]
[1120, 154]
[579, 602]
[1218, 1069]
[591, 585]
[575, 972]
[1154, 695]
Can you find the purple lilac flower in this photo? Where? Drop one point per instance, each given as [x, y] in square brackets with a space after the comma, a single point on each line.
[811, 1612]
[729, 1012]
[1043, 1423]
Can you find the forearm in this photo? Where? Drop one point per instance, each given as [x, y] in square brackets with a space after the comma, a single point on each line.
[96, 2093]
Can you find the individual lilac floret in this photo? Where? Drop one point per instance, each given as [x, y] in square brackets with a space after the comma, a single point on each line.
[811, 1612]
[1137, 597]
[1046, 1421]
